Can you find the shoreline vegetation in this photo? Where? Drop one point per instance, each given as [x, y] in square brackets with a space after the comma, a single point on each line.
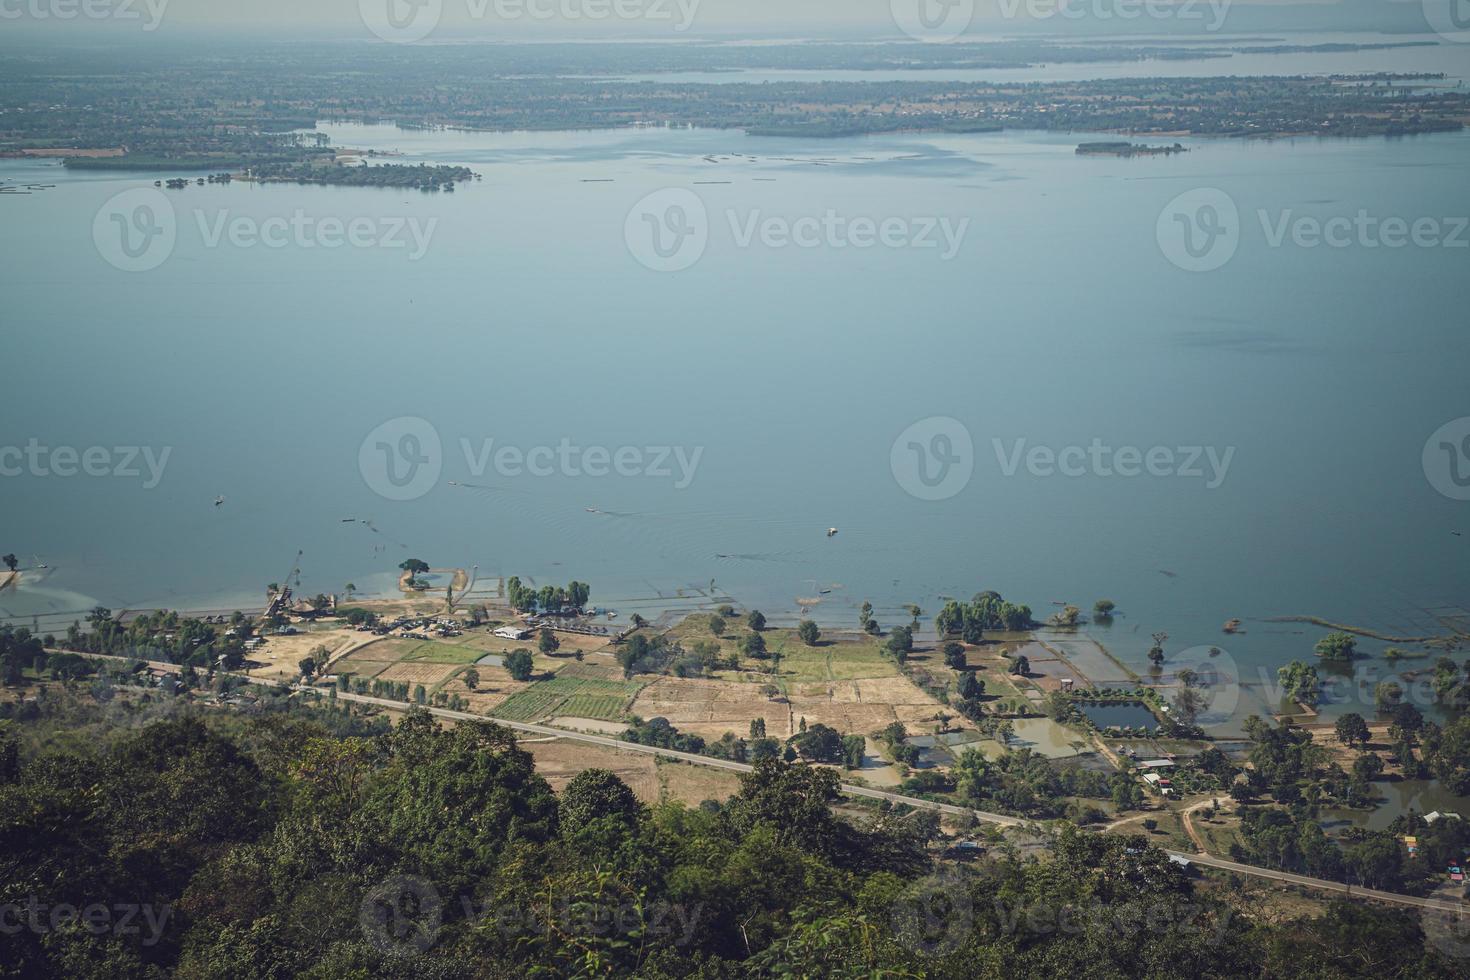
[981, 686]
[200, 114]
[1449, 641]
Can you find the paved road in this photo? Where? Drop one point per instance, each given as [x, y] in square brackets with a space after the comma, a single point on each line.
[698, 760]
[1204, 860]
[1003, 820]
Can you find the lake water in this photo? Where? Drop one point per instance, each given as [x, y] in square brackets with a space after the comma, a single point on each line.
[792, 372]
[1127, 715]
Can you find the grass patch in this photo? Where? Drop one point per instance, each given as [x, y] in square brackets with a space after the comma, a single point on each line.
[433, 652]
[581, 697]
[602, 707]
[837, 658]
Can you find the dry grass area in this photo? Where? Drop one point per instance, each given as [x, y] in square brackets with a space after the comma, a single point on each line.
[710, 708]
[281, 656]
[695, 784]
[494, 687]
[558, 761]
[426, 674]
[486, 641]
[865, 706]
[1325, 737]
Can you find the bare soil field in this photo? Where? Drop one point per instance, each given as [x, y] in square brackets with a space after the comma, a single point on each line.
[864, 706]
[281, 656]
[591, 725]
[559, 761]
[710, 708]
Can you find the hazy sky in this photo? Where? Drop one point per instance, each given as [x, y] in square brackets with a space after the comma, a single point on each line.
[513, 18]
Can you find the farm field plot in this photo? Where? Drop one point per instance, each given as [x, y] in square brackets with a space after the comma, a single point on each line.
[575, 696]
[592, 673]
[435, 652]
[864, 706]
[650, 779]
[838, 657]
[695, 629]
[487, 642]
[384, 651]
[361, 667]
[528, 706]
[710, 708]
[418, 673]
[601, 707]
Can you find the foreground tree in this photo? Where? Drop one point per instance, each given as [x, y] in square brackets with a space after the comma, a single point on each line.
[1352, 729]
[520, 664]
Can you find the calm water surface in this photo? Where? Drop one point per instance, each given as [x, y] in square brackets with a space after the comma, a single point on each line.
[528, 320]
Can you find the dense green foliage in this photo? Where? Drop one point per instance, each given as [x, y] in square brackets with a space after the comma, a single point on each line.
[271, 848]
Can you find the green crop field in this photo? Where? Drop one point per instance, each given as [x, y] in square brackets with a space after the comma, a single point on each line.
[599, 706]
[434, 652]
[528, 705]
[580, 697]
